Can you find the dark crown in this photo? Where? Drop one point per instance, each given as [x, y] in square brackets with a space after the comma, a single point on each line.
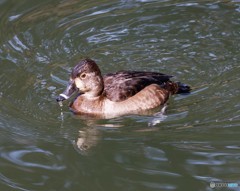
[86, 65]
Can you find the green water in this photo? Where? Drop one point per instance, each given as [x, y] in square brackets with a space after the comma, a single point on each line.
[44, 147]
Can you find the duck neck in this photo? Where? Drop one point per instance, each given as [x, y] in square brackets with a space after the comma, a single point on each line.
[96, 89]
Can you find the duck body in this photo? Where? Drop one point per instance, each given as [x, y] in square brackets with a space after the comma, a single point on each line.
[116, 94]
[150, 97]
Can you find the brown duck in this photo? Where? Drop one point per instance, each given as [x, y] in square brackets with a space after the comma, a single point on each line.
[120, 93]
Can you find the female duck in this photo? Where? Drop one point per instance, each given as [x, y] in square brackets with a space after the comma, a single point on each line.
[125, 92]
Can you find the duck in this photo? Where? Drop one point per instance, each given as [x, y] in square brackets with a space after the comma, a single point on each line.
[119, 93]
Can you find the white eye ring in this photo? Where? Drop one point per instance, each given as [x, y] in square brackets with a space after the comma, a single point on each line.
[83, 75]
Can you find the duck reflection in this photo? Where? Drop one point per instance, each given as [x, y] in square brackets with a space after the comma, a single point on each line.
[87, 139]
[89, 136]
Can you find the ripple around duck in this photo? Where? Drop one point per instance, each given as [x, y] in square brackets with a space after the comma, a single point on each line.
[31, 165]
[18, 157]
[75, 32]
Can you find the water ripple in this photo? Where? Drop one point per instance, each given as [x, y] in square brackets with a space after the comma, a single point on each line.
[11, 183]
[19, 157]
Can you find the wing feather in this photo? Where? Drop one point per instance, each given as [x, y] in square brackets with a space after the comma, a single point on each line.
[124, 84]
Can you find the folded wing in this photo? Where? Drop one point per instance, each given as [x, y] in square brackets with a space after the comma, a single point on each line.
[124, 84]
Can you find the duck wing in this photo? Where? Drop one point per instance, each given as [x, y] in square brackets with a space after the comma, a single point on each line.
[124, 84]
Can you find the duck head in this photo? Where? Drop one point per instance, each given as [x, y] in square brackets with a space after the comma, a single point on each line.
[86, 78]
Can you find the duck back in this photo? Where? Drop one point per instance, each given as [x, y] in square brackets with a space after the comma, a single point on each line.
[124, 84]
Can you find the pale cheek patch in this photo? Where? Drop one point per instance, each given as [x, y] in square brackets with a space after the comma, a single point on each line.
[79, 84]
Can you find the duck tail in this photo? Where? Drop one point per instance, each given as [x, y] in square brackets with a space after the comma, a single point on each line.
[183, 88]
[177, 87]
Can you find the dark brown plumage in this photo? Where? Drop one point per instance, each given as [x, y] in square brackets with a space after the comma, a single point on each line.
[118, 93]
[122, 85]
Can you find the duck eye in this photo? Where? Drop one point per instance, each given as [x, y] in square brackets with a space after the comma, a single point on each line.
[83, 75]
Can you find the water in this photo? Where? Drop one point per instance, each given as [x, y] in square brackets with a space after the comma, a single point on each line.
[46, 147]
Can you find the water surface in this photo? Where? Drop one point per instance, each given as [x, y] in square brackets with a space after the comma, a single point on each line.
[196, 142]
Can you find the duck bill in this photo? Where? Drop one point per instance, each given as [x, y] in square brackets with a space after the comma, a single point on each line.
[69, 91]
